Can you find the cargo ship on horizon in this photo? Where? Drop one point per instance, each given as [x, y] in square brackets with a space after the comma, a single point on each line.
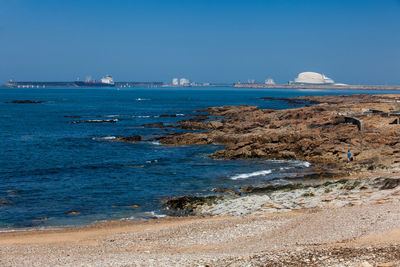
[104, 82]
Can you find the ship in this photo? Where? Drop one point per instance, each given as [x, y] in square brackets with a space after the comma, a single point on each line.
[104, 82]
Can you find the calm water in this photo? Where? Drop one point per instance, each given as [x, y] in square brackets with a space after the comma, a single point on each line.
[50, 167]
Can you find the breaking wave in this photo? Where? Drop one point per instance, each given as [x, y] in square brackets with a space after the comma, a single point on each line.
[303, 164]
[141, 116]
[252, 174]
[112, 116]
[104, 138]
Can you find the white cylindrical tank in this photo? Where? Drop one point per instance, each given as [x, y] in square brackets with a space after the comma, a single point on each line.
[270, 81]
[184, 82]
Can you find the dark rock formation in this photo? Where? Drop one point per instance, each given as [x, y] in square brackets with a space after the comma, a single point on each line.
[226, 190]
[294, 101]
[130, 139]
[26, 102]
[185, 205]
[321, 134]
[72, 116]
[154, 125]
[389, 183]
[168, 116]
[5, 202]
[95, 121]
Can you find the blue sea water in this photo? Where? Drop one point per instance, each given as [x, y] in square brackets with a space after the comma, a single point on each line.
[50, 167]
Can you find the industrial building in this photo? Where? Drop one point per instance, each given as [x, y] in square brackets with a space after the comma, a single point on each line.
[184, 82]
[312, 78]
[270, 81]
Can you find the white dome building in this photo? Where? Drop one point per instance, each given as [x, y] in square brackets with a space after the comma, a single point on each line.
[313, 78]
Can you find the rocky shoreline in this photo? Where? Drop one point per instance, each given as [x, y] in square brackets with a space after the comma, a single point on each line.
[321, 131]
[290, 197]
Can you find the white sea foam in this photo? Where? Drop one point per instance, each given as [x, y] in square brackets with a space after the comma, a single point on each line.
[306, 164]
[112, 116]
[151, 161]
[252, 174]
[144, 214]
[142, 99]
[302, 164]
[111, 120]
[104, 138]
[179, 114]
[141, 116]
[154, 214]
[277, 161]
[156, 143]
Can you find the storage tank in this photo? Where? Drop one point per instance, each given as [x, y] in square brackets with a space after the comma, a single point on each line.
[313, 78]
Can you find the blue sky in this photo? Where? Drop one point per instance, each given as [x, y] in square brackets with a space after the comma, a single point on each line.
[353, 41]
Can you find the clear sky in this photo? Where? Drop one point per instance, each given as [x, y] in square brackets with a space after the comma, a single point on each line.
[351, 41]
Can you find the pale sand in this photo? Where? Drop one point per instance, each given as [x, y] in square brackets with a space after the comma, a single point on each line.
[345, 236]
[354, 235]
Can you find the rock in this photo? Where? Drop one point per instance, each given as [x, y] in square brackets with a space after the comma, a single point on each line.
[321, 134]
[389, 183]
[296, 101]
[154, 125]
[73, 213]
[193, 125]
[72, 116]
[26, 102]
[271, 188]
[168, 116]
[187, 204]
[5, 202]
[226, 190]
[186, 139]
[287, 155]
[215, 124]
[197, 118]
[134, 206]
[95, 121]
[130, 139]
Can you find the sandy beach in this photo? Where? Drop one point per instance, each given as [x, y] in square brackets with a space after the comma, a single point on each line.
[347, 236]
[367, 234]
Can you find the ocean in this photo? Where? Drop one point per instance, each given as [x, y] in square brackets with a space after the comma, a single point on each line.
[55, 173]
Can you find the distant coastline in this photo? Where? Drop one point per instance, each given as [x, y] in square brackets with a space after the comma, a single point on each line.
[78, 84]
[314, 86]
